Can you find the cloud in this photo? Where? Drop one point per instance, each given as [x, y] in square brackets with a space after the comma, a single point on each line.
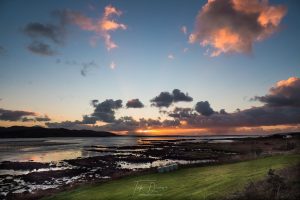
[233, 26]
[86, 67]
[281, 107]
[101, 27]
[203, 107]
[43, 33]
[223, 112]
[129, 124]
[134, 103]
[171, 57]
[88, 120]
[122, 124]
[37, 30]
[42, 118]
[112, 65]
[73, 125]
[276, 117]
[14, 115]
[285, 93]
[165, 99]
[125, 123]
[182, 113]
[105, 111]
[36, 119]
[94, 102]
[41, 48]
[27, 119]
[184, 30]
[180, 96]
[252, 117]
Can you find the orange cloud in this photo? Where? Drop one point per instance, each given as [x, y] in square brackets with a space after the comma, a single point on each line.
[101, 27]
[289, 82]
[234, 25]
[284, 93]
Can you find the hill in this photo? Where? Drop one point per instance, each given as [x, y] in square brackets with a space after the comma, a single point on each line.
[40, 132]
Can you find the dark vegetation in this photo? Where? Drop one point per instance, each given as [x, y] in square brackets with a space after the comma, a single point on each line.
[278, 185]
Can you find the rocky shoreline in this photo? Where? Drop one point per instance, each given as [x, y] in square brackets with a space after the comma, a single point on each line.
[32, 180]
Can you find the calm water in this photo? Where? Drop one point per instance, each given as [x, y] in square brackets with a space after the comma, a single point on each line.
[57, 149]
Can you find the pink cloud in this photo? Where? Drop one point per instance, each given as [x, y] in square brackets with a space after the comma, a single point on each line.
[101, 27]
[184, 30]
[232, 26]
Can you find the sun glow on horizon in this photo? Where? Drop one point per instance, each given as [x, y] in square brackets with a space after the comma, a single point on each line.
[172, 131]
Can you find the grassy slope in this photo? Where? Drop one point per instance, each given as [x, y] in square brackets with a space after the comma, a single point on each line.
[191, 183]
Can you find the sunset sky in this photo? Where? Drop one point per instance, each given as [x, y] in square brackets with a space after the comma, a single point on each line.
[151, 67]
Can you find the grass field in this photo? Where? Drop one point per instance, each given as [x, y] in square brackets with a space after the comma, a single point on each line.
[191, 183]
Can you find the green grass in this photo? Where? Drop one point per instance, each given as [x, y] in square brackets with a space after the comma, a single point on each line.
[191, 183]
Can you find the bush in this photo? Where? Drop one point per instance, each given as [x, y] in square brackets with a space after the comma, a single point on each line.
[283, 186]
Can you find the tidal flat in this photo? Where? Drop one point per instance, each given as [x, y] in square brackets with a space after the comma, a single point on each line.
[34, 168]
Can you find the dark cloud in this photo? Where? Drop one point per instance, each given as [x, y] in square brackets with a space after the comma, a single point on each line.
[281, 108]
[27, 119]
[94, 102]
[165, 99]
[89, 120]
[14, 115]
[182, 113]
[134, 103]
[43, 35]
[285, 93]
[234, 25]
[180, 96]
[170, 123]
[129, 124]
[105, 111]
[73, 125]
[203, 107]
[42, 118]
[223, 112]
[256, 116]
[148, 123]
[86, 67]
[41, 48]
[37, 30]
[123, 124]
[202, 117]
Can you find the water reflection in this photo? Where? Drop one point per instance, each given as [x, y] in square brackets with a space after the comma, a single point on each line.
[57, 149]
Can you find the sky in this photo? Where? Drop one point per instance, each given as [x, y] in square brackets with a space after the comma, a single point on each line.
[151, 67]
